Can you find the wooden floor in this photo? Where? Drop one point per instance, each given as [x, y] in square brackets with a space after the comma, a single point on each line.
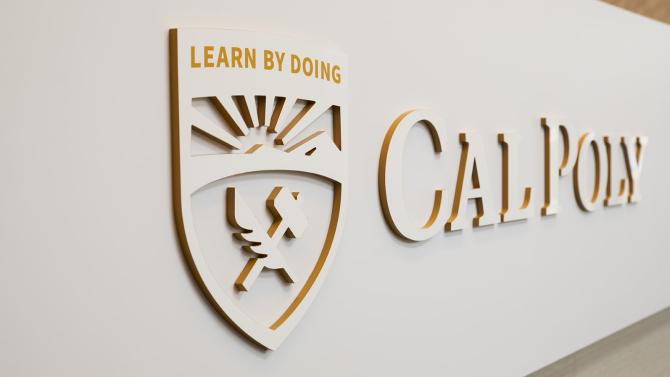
[641, 350]
[656, 9]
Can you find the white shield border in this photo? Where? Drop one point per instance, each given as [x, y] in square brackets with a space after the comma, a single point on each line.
[273, 336]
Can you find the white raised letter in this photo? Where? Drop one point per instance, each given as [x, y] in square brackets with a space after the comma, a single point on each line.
[472, 168]
[588, 200]
[634, 152]
[615, 193]
[552, 167]
[390, 177]
[514, 206]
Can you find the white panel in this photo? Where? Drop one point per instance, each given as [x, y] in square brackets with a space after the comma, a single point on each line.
[92, 278]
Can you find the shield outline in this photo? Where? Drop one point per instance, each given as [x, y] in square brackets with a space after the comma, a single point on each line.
[269, 337]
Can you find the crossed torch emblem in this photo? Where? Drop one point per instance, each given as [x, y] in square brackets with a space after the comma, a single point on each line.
[288, 220]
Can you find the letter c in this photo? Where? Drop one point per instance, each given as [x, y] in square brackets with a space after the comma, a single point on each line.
[390, 177]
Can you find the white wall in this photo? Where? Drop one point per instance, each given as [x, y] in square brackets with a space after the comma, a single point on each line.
[92, 280]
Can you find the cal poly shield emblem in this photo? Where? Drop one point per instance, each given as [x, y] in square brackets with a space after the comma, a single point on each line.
[259, 161]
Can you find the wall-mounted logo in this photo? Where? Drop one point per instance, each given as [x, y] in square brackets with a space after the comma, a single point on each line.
[259, 141]
[259, 160]
[606, 186]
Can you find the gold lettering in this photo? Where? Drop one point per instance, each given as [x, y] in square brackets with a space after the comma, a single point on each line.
[208, 56]
[194, 64]
[223, 57]
[325, 71]
[307, 62]
[237, 57]
[268, 62]
[249, 58]
[336, 74]
[295, 63]
[280, 60]
[245, 57]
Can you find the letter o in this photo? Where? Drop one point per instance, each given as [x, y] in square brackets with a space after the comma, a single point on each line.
[307, 62]
[585, 202]
[390, 177]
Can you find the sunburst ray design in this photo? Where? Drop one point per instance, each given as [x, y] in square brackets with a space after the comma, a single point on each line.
[273, 114]
[268, 130]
